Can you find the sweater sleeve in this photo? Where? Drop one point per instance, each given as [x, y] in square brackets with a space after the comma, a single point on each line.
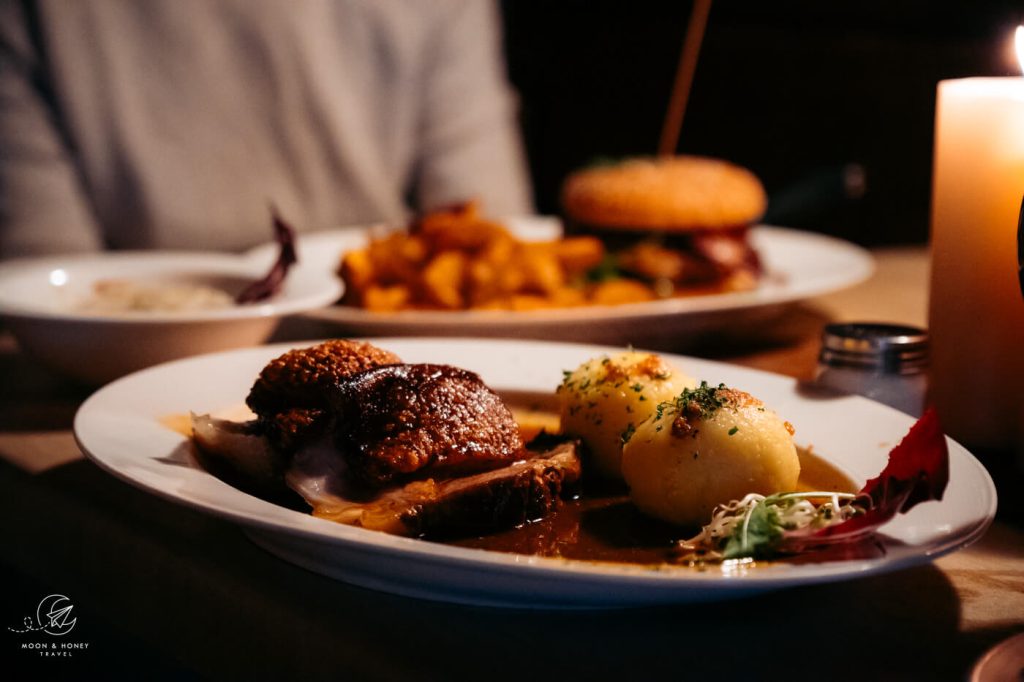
[470, 142]
[43, 208]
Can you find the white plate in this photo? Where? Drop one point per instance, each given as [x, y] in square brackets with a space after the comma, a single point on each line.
[119, 429]
[40, 300]
[797, 264]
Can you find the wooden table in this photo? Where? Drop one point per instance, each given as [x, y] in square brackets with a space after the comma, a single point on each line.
[163, 592]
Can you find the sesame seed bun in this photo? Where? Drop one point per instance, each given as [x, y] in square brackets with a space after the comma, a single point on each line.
[676, 194]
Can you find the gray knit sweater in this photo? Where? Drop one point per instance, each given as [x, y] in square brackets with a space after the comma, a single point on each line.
[174, 123]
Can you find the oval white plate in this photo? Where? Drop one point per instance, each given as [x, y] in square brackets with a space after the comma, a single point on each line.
[119, 429]
[797, 264]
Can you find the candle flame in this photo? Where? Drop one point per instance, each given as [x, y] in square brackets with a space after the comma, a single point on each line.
[1018, 40]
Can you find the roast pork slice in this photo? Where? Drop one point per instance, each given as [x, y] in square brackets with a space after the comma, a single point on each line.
[502, 498]
[238, 453]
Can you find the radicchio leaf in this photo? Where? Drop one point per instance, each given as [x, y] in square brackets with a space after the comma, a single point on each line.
[917, 471]
[269, 285]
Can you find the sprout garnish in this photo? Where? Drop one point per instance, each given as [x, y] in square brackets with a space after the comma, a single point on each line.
[757, 525]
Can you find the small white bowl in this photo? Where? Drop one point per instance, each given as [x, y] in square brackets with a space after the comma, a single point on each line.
[42, 303]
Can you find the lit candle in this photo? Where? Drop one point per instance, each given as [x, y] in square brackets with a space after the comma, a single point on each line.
[976, 311]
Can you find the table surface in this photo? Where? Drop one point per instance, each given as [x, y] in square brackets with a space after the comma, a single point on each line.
[174, 593]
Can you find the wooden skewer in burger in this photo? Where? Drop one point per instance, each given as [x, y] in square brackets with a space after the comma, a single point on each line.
[680, 222]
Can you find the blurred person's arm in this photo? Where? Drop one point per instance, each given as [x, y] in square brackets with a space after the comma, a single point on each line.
[42, 204]
[470, 143]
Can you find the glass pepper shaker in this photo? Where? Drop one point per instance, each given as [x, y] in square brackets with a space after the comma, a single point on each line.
[884, 362]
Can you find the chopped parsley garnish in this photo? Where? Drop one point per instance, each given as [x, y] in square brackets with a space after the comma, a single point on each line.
[628, 433]
[702, 401]
[733, 430]
[567, 382]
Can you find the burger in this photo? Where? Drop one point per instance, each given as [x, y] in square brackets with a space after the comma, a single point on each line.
[680, 223]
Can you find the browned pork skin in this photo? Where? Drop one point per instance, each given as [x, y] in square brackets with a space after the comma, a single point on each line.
[402, 421]
[290, 394]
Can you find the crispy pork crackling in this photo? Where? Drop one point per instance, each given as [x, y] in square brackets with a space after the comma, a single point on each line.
[401, 420]
[290, 395]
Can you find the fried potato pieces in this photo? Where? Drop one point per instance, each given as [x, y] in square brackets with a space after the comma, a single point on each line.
[454, 259]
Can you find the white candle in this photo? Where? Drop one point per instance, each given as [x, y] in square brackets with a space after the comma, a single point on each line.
[976, 311]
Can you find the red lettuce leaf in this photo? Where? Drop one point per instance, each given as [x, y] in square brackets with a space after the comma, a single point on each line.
[917, 471]
[269, 285]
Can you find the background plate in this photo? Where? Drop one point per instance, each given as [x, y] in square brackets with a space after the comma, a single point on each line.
[798, 265]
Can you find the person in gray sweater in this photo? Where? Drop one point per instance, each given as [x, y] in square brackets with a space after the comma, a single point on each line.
[176, 123]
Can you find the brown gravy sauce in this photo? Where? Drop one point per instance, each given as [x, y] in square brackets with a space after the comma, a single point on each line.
[179, 423]
[601, 524]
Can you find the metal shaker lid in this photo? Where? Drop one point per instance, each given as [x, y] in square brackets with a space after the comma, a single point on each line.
[889, 348]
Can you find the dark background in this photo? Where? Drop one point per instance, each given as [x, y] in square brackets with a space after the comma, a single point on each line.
[830, 102]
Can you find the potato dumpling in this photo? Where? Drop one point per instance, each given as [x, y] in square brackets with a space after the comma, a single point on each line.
[606, 398]
[707, 447]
